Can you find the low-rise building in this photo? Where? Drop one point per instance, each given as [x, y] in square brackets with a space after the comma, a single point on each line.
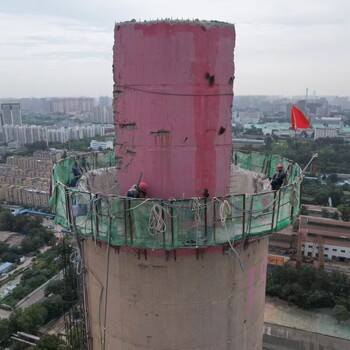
[324, 238]
[325, 132]
[5, 267]
[101, 145]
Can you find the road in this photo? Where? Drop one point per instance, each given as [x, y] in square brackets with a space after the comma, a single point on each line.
[37, 294]
[55, 228]
[278, 337]
[4, 313]
[340, 267]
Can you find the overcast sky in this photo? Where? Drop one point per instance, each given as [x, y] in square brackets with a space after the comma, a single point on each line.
[64, 47]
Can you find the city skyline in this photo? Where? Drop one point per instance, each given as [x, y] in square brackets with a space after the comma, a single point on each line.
[63, 48]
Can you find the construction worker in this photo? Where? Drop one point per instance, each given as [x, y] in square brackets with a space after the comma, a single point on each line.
[77, 172]
[138, 190]
[278, 178]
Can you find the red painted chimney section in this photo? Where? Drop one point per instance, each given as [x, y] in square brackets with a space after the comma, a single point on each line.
[173, 91]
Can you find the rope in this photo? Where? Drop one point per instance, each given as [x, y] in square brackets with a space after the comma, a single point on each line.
[294, 195]
[170, 93]
[156, 223]
[139, 205]
[196, 207]
[225, 210]
[75, 259]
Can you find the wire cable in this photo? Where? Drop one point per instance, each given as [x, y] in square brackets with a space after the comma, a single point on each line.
[130, 87]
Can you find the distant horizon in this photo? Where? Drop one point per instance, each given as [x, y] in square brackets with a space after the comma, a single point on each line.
[235, 95]
[64, 48]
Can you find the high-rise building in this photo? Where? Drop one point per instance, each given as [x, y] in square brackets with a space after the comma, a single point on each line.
[11, 114]
[72, 104]
[102, 115]
[105, 101]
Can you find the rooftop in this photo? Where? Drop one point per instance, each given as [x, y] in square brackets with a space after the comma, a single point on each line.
[5, 266]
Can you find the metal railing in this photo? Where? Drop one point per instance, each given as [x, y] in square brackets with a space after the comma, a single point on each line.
[188, 223]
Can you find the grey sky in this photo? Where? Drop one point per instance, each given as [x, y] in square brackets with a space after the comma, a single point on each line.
[64, 48]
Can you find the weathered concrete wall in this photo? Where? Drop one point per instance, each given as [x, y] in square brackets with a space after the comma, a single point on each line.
[285, 338]
[247, 181]
[172, 101]
[100, 181]
[197, 303]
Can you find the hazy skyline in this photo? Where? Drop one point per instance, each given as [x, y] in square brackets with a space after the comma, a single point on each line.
[64, 48]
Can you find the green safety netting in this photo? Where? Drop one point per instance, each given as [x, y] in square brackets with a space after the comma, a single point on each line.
[172, 224]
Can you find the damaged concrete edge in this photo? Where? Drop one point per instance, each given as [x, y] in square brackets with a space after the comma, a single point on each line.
[160, 132]
[195, 21]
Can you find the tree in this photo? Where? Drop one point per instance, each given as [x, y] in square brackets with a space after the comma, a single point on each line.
[74, 338]
[303, 210]
[14, 317]
[341, 313]
[9, 256]
[36, 281]
[335, 215]
[50, 342]
[310, 288]
[19, 223]
[345, 211]
[54, 306]
[268, 142]
[325, 213]
[6, 221]
[38, 145]
[30, 244]
[333, 178]
[5, 332]
[346, 187]
[55, 287]
[32, 318]
[3, 247]
[336, 196]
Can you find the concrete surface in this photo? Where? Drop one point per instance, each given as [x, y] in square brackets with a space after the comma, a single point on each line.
[281, 313]
[204, 303]
[278, 337]
[173, 90]
[100, 181]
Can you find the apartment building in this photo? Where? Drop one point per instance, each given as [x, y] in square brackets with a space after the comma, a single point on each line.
[73, 105]
[102, 115]
[11, 114]
[25, 181]
[28, 134]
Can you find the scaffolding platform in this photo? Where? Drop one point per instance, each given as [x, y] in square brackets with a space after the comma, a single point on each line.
[175, 223]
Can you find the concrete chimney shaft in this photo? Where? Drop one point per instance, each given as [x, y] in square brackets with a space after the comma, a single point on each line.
[172, 101]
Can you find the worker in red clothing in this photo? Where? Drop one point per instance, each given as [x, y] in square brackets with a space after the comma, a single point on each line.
[138, 190]
[278, 178]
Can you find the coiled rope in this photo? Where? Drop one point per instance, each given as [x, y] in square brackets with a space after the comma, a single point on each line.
[156, 223]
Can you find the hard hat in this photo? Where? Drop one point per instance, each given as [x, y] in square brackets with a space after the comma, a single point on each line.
[279, 166]
[143, 186]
